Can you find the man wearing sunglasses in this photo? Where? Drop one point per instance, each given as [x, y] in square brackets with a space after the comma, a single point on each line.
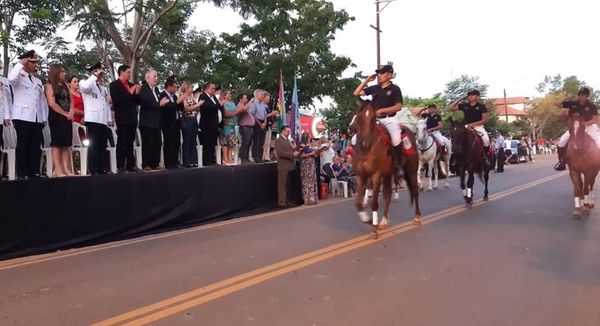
[387, 100]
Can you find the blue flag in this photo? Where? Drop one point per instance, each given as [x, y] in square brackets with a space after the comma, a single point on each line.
[295, 115]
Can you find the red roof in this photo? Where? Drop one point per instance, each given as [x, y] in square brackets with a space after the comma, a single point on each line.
[511, 100]
[511, 111]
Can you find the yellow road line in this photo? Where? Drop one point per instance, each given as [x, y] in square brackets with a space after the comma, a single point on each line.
[173, 305]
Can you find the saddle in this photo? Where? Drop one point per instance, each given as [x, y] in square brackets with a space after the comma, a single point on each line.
[407, 146]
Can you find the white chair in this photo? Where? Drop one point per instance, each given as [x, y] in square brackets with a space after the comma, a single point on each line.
[46, 151]
[79, 147]
[338, 186]
[137, 148]
[112, 151]
[9, 135]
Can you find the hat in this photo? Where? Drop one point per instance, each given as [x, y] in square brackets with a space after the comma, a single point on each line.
[384, 69]
[97, 65]
[432, 106]
[29, 55]
[474, 92]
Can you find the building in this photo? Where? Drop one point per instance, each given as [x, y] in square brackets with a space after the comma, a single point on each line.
[511, 110]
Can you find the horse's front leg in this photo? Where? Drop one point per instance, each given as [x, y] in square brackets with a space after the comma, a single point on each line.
[447, 163]
[387, 197]
[419, 181]
[470, 182]
[376, 181]
[434, 171]
[577, 192]
[486, 178]
[360, 194]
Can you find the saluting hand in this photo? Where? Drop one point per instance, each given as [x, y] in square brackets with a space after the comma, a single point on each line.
[164, 101]
[6, 122]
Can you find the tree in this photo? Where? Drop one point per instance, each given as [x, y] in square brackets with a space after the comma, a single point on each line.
[290, 37]
[462, 85]
[339, 115]
[100, 23]
[545, 118]
[568, 86]
[41, 17]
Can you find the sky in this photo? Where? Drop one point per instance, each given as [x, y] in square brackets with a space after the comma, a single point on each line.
[511, 44]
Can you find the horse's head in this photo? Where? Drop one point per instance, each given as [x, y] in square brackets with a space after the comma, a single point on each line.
[458, 134]
[422, 132]
[364, 124]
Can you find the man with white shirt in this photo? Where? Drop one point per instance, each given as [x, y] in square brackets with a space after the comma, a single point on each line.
[5, 104]
[29, 114]
[97, 114]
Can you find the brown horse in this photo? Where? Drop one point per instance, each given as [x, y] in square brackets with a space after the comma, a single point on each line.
[372, 162]
[468, 153]
[583, 159]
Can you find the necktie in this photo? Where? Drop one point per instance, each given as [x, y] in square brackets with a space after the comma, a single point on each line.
[30, 78]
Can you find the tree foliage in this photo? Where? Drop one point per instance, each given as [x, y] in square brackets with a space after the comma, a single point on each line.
[40, 20]
[462, 85]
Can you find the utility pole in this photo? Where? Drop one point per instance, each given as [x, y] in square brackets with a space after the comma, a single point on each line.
[505, 106]
[377, 26]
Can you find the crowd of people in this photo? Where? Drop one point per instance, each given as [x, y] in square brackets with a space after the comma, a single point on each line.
[174, 119]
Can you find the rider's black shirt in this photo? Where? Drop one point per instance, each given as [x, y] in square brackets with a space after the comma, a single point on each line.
[472, 113]
[384, 97]
[587, 111]
[433, 120]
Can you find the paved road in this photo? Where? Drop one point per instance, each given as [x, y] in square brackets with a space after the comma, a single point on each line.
[519, 259]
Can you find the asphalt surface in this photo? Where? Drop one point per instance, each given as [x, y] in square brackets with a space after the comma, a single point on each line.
[520, 259]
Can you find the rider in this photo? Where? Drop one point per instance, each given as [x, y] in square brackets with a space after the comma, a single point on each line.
[588, 113]
[475, 117]
[387, 100]
[434, 125]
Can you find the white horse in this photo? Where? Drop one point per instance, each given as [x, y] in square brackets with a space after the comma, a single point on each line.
[428, 153]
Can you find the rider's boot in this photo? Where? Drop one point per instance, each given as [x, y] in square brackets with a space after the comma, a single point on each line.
[560, 166]
[397, 157]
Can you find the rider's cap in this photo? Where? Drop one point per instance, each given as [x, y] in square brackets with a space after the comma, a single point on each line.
[474, 92]
[432, 106]
[584, 91]
[384, 69]
[29, 55]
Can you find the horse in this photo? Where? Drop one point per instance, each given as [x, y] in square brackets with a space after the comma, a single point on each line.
[373, 164]
[583, 160]
[467, 148]
[430, 154]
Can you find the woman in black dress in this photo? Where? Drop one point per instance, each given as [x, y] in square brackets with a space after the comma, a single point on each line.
[60, 117]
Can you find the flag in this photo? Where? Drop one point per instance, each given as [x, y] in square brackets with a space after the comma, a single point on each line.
[281, 102]
[295, 114]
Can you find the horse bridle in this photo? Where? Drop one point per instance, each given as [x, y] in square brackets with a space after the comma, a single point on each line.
[428, 147]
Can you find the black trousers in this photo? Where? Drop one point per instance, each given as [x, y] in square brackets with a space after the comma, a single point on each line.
[97, 155]
[125, 139]
[190, 133]
[151, 143]
[208, 140]
[258, 142]
[28, 152]
[247, 134]
[500, 160]
[172, 144]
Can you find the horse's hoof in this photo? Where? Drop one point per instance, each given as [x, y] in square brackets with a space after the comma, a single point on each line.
[435, 188]
[485, 198]
[417, 221]
[396, 197]
[447, 186]
[468, 205]
[373, 235]
[585, 211]
[429, 189]
[364, 217]
[577, 214]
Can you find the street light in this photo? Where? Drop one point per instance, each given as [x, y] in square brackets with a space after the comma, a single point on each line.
[376, 27]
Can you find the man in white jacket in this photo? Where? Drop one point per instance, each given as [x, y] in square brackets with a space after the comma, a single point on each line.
[97, 115]
[29, 114]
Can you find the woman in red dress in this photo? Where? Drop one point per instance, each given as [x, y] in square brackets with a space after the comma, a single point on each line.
[76, 99]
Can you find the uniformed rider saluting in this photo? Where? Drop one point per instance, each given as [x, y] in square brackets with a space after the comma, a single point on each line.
[387, 100]
[476, 117]
[588, 113]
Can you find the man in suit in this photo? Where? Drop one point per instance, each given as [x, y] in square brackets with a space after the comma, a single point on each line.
[151, 107]
[209, 124]
[171, 124]
[125, 99]
[29, 114]
[98, 116]
[285, 164]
